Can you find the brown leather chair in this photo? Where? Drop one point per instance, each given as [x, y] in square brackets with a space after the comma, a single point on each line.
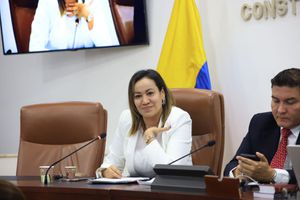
[123, 14]
[22, 14]
[206, 109]
[52, 131]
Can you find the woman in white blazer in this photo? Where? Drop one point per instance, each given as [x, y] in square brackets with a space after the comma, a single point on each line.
[152, 131]
[72, 24]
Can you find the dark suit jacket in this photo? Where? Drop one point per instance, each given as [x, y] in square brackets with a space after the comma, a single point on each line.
[263, 136]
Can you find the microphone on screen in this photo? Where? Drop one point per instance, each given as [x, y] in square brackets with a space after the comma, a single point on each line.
[76, 21]
[100, 137]
[75, 32]
[208, 144]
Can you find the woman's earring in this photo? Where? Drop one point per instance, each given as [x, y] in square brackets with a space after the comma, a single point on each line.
[163, 102]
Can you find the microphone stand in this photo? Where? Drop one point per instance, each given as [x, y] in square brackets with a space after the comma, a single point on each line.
[208, 144]
[75, 32]
[101, 136]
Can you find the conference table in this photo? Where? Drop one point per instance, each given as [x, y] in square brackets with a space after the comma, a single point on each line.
[61, 190]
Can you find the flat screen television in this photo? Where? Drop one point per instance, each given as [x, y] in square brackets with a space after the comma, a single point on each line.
[30, 26]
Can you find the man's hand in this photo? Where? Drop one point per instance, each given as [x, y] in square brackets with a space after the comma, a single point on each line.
[258, 170]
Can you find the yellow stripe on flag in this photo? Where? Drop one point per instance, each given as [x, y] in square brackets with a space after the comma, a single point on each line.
[182, 54]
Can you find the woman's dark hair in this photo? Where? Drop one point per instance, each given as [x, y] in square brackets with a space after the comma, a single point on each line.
[289, 77]
[137, 119]
[62, 6]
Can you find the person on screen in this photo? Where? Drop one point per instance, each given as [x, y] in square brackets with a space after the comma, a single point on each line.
[152, 131]
[72, 24]
[9, 191]
[270, 132]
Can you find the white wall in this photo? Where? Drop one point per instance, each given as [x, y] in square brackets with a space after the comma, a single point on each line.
[8, 165]
[242, 57]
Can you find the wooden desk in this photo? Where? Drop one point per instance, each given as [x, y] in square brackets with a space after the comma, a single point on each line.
[35, 190]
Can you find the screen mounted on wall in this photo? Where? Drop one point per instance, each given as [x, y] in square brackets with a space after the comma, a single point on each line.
[54, 25]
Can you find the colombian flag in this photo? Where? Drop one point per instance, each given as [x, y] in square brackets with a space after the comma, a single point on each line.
[182, 61]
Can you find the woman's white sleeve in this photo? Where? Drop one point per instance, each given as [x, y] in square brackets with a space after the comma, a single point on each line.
[40, 26]
[178, 143]
[116, 149]
[103, 32]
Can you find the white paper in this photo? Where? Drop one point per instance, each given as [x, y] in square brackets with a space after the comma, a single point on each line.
[269, 189]
[118, 180]
[147, 182]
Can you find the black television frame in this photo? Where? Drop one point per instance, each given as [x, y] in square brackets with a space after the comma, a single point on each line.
[140, 25]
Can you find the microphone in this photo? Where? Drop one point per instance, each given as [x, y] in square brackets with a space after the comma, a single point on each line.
[76, 25]
[76, 21]
[208, 144]
[100, 137]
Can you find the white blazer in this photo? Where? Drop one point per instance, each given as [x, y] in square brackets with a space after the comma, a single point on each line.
[173, 144]
[50, 30]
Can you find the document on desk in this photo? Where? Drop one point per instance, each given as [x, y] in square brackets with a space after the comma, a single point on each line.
[117, 180]
[146, 182]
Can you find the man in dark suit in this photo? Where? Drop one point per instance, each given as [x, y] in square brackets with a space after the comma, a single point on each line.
[265, 137]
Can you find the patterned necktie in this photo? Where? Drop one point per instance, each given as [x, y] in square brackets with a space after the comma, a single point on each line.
[280, 155]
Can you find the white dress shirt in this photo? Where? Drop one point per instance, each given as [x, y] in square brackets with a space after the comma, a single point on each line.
[282, 175]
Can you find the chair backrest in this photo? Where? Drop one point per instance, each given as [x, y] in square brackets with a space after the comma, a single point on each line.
[123, 14]
[52, 131]
[206, 109]
[22, 14]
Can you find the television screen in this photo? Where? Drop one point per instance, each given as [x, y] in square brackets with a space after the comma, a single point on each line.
[56, 25]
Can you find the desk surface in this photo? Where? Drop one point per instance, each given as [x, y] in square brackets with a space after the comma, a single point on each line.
[58, 190]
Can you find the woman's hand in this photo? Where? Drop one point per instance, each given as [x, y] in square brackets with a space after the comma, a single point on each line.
[112, 172]
[152, 132]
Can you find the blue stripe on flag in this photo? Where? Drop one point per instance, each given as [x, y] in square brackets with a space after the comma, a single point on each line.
[203, 80]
